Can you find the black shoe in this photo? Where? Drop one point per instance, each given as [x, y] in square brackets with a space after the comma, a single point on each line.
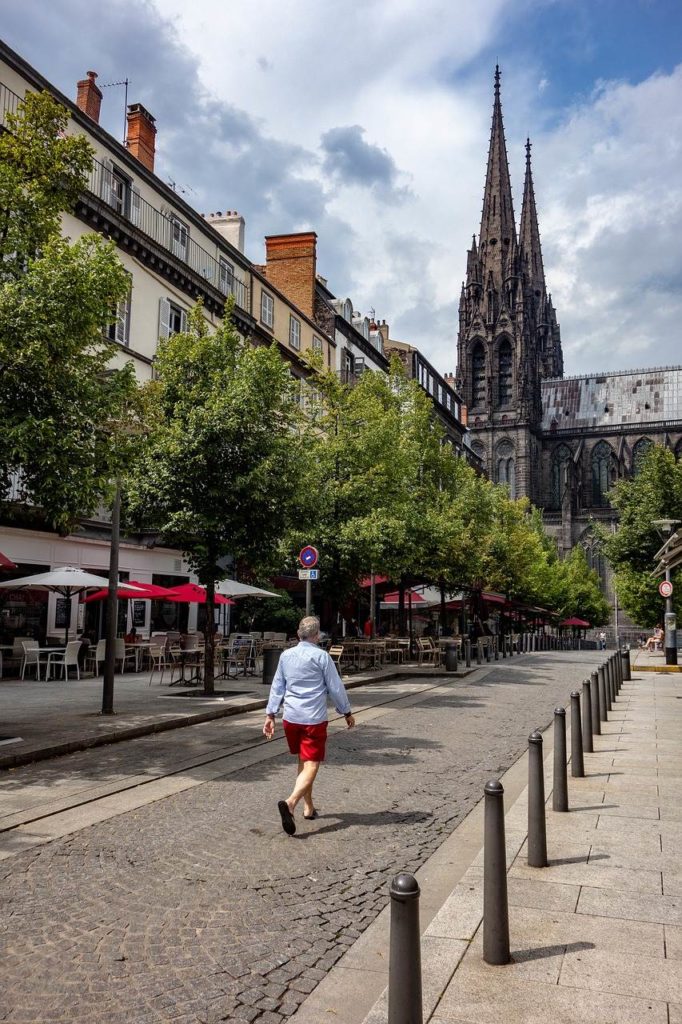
[288, 823]
[311, 817]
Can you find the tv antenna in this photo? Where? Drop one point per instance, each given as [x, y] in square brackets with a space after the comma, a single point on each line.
[182, 189]
[125, 83]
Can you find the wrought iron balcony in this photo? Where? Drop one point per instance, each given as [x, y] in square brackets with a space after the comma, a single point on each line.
[167, 230]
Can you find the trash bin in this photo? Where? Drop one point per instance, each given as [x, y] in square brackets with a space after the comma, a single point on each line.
[270, 663]
[451, 657]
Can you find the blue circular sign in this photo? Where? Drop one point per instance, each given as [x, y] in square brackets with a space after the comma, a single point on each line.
[308, 556]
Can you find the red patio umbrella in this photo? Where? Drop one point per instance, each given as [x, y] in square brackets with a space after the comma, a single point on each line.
[6, 563]
[136, 590]
[394, 598]
[574, 621]
[192, 593]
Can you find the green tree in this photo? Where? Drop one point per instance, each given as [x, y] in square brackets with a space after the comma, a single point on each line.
[222, 460]
[576, 590]
[655, 493]
[59, 398]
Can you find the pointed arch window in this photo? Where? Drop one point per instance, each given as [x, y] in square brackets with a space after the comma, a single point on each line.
[506, 468]
[504, 373]
[639, 454]
[561, 460]
[478, 375]
[603, 472]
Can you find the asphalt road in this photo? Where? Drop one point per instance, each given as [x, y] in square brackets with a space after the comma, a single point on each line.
[197, 907]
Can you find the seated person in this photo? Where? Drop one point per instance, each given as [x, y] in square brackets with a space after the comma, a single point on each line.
[655, 642]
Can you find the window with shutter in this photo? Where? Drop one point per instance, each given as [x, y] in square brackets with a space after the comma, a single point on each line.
[105, 180]
[164, 318]
[294, 332]
[179, 238]
[135, 205]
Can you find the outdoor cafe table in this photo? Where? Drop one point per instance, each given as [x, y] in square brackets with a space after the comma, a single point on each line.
[137, 648]
[192, 659]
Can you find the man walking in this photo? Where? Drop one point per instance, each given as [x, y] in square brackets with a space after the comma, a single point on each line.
[305, 676]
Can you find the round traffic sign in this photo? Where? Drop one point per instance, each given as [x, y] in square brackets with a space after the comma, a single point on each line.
[665, 588]
[308, 556]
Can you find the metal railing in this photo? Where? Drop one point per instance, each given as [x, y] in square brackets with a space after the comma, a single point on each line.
[9, 103]
[167, 230]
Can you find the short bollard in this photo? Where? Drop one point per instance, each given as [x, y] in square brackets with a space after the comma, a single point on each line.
[601, 676]
[496, 649]
[577, 762]
[451, 656]
[503, 645]
[495, 906]
[594, 704]
[404, 966]
[560, 784]
[625, 664]
[614, 680]
[487, 651]
[537, 831]
[619, 672]
[608, 683]
[588, 746]
[478, 652]
[467, 653]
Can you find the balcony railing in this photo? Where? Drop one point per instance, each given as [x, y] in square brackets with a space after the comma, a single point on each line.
[9, 103]
[167, 230]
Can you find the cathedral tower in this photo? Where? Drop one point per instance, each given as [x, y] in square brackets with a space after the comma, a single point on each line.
[508, 334]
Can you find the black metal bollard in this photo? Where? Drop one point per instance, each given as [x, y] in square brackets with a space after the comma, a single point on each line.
[594, 704]
[478, 652]
[404, 967]
[602, 693]
[608, 684]
[495, 905]
[560, 783]
[537, 831]
[496, 649]
[619, 671]
[467, 652]
[625, 664]
[577, 762]
[615, 661]
[451, 656]
[588, 745]
[487, 651]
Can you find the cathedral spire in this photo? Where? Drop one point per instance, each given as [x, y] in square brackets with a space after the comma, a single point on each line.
[529, 233]
[498, 232]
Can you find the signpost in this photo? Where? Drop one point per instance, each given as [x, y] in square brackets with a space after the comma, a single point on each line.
[308, 557]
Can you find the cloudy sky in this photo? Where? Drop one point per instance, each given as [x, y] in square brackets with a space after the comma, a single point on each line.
[368, 121]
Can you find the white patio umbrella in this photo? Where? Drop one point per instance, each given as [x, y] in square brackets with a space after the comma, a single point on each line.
[230, 588]
[65, 581]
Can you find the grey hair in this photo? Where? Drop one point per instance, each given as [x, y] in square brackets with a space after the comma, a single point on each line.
[309, 626]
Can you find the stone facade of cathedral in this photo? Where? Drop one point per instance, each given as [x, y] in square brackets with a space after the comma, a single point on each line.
[562, 442]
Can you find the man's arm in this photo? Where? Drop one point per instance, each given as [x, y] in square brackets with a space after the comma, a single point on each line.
[337, 691]
[277, 690]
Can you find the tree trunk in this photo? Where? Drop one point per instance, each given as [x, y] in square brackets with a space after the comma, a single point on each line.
[209, 638]
[401, 608]
[442, 607]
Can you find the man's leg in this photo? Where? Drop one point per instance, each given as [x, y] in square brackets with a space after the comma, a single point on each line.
[303, 790]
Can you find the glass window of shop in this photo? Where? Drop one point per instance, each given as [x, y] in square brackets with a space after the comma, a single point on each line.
[95, 612]
[23, 612]
[169, 614]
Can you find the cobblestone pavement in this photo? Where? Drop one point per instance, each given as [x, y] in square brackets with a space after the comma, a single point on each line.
[199, 909]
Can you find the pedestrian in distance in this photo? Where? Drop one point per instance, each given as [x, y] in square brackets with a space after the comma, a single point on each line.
[305, 678]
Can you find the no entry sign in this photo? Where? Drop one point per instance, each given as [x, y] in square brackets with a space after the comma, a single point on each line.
[665, 588]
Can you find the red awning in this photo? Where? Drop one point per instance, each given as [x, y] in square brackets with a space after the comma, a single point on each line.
[6, 563]
[394, 598]
[575, 622]
[366, 581]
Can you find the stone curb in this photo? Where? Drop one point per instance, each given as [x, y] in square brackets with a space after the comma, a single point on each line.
[25, 757]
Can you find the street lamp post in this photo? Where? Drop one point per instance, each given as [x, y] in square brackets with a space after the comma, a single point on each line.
[666, 526]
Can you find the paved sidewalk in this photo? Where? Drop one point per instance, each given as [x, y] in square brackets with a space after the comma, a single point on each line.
[46, 719]
[596, 937]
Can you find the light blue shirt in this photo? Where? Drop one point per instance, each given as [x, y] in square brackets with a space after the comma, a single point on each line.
[305, 675]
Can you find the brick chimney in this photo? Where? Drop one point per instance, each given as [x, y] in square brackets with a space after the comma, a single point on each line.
[89, 96]
[141, 138]
[291, 266]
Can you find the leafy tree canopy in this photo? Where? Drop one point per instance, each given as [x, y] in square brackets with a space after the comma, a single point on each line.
[61, 405]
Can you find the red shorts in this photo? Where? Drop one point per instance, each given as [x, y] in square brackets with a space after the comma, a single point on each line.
[308, 741]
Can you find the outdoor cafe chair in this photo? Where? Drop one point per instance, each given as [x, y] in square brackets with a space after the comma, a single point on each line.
[425, 652]
[159, 659]
[237, 659]
[336, 654]
[95, 658]
[29, 658]
[122, 655]
[68, 658]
